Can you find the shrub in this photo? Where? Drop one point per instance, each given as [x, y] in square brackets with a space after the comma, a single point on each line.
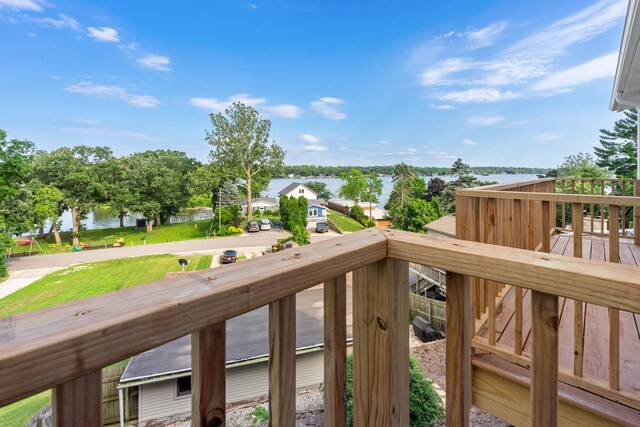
[357, 213]
[425, 406]
[235, 230]
[368, 223]
[300, 235]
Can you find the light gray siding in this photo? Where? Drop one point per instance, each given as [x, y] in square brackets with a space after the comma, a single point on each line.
[158, 400]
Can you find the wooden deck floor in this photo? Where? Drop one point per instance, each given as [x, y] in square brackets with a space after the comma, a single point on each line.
[596, 318]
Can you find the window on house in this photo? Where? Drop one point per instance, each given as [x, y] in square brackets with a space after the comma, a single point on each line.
[301, 191]
[183, 386]
[313, 212]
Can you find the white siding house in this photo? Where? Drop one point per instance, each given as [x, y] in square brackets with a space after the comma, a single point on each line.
[296, 190]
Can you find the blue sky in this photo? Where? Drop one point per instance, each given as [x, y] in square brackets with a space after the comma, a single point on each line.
[344, 83]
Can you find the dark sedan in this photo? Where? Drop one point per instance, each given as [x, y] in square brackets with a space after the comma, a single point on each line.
[229, 256]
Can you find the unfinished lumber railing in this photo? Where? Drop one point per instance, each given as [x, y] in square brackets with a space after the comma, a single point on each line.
[65, 347]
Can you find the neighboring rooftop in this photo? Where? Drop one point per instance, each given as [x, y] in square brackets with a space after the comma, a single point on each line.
[444, 226]
[293, 186]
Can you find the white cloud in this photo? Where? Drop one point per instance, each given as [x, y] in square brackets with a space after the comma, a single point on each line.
[485, 36]
[83, 121]
[468, 141]
[54, 77]
[543, 137]
[103, 34]
[213, 104]
[32, 5]
[114, 92]
[328, 107]
[412, 151]
[315, 147]
[61, 22]
[604, 66]
[439, 74]
[104, 131]
[446, 35]
[154, 62]
[383, 142]
[252, 6]
[485, 120]
[307, 137]
[443, 107]
[343, 148]
[531, 57]
[288, 111]
[477, 95]
[128, 47]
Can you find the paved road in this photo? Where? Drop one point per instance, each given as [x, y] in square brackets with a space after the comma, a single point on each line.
[24, 271]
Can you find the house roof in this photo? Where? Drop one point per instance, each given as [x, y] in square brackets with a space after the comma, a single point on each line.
[255, 200]
[318, 202]
[626, 87]
[445, 226]
[293, 186]
[247, 339]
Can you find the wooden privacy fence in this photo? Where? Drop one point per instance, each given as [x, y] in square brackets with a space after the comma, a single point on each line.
[65, 347]
[432, 310]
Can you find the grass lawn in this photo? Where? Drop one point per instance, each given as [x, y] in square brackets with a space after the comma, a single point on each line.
[94, 278]
[82, 281]
[20, 412]
[343, 222]
[131, 236]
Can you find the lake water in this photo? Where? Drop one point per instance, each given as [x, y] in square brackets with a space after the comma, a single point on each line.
[104, 218]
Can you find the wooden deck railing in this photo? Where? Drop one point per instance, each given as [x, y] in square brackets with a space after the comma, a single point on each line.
[525, 215]
[66, 346]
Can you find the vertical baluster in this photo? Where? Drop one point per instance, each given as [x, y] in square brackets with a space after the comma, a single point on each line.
[335, 351]
[578, 333]
[622, 209]
[518, 242]
[208, 372]
[564, 207]
[544, 359]
[381, 344]
[592, 207]
[458, 358]
[546, 226]
[614, 314]
[602, 208]
[78, 403]
[282, 362]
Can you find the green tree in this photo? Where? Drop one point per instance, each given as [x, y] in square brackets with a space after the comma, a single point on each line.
[372, 191]
[354, 184]
[581, 166]
[618, 151]
[435, 187]
[463, 178]
[413, 215]
[419, 188]
[403, 186]
[47, 206]
[119, 186]
[241, 148]
[320, 188]
[78, 172]
[15, 215]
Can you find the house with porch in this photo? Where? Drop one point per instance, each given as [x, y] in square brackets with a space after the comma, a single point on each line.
[259, 204]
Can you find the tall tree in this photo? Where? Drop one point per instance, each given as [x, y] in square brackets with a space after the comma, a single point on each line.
[413, 215]
[354, 184]
[582, 166]
[79, 173]
[435, 187]
[47, 206]
[403, 185]
[372, 191]
[463, 178]
[618, 151]
[15, 218]
[241, 147]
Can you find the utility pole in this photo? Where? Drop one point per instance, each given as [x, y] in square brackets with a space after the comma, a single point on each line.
[219, 211]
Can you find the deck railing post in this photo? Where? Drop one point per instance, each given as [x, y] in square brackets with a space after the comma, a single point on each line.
[282, 362]
[636, 214]
[335, 351]
[381, 344]
[78, 403]
[458, 357]
[208, 372]
[544, 359]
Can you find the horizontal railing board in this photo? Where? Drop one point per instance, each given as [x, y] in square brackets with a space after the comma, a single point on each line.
[552, 197]
[595, 282]
[41, 349]
[510, 185]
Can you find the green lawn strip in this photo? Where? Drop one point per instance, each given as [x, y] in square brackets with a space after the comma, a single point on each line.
[94, 278]
[20, 412]
[82, 281]
[131, 236]
[343, 222]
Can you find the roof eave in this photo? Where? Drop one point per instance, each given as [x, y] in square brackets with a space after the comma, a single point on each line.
[628, 49]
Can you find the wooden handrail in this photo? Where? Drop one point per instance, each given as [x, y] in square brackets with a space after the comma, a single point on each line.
[551, 197]
[63, 347]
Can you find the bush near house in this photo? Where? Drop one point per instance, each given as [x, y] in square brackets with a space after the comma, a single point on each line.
[293, 214]
[425, 406]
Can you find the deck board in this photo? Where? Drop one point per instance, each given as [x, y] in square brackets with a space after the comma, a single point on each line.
[596, 318]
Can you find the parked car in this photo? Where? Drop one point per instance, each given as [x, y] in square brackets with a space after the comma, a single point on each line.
[265, 224]
[322, 227]
[253, 227]
[229, 256]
